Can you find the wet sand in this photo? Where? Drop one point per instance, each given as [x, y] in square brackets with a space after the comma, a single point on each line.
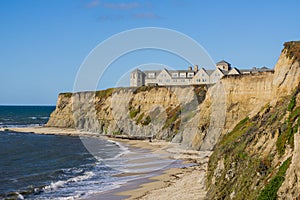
[169, 183]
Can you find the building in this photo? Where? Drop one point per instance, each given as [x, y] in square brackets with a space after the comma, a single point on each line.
[191, 76]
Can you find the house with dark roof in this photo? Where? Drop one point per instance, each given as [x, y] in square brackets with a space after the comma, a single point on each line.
[191, 76]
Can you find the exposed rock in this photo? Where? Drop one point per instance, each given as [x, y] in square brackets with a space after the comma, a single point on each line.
[190, 115]
[264, 145]
[290, 188]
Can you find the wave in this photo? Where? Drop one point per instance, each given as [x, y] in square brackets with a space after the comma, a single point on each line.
[59, 184]
[34, 117]
[124, 150]
[19, 125]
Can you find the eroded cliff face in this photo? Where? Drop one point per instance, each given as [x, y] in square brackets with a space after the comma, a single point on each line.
[195, 116]
[250, 121]
[259, 157]
[156, 112]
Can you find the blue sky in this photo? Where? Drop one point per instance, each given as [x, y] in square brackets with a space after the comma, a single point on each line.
[43, 43]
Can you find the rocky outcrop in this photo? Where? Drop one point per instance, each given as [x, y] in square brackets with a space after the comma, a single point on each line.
[250, 121]
[157, 112]
[259, 157]
[62, 115]
[192, 115]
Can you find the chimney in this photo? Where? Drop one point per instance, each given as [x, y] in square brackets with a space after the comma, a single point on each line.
[196, 68]
[190, 68]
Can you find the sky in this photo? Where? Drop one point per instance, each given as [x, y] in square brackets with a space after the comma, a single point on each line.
[44, 43]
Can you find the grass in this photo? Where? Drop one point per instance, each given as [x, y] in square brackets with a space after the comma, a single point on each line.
[292, 124]
[238, 130]
[118, 132]
[295, 114]
[133, 112]
[139, 119]
[292, 49]
[143, 89]
[292, 103]
[146, 121]
[67, 94]
[103, 94]
[172, 116]
[270, 190]
[287, 136]
[246, 171]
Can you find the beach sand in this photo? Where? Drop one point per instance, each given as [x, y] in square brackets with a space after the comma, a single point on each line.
[175, 183]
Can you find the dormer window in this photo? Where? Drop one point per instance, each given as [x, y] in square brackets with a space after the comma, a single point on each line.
[183, 75]
[190, 74]
[175, 75]
[151, 75]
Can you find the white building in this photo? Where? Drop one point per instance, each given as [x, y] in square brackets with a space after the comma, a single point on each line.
[186, 77]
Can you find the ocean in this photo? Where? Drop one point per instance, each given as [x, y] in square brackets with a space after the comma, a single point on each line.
[34, 166]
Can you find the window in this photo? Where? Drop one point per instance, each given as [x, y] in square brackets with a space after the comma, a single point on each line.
[198, 80]
[175, 80]
[151, 75]
[174, 74]
[168, 80]
[160, 81]
[182, 80]
[183, 75]
[190, 74]
[203, 80]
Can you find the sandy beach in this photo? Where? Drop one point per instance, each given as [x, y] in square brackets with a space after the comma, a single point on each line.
[174, 183]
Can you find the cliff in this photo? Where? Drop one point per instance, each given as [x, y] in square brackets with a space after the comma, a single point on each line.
[259, 157]
[250, 121]
[193, 115]
[156, 112]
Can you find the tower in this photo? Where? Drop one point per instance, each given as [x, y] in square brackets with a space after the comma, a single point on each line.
[137, 78]
[223, 65]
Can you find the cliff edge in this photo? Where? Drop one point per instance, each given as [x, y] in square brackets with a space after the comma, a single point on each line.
[193, 115]
[259, 157]
[251, 122]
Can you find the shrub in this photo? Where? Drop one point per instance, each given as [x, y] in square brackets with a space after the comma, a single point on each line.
[133, 112]
[118, 132]
[270, 190]
[67, 94]
[104, 93]
[139, 118]
[292, 103]
[146, 121]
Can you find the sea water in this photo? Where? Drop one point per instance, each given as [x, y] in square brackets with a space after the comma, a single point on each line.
[34, 166]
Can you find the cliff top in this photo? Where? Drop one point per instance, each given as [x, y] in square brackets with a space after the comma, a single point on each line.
[293, 49]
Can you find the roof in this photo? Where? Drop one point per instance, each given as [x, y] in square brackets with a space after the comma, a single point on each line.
[137, 70]
[223, 62]
[234, 68]
[209, 71]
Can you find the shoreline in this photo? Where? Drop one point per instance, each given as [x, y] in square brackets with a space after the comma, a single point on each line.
[171, 183]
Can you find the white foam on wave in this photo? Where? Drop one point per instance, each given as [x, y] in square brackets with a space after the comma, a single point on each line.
[34, 117]
[20, 197]
[124, 150]
[60, 184]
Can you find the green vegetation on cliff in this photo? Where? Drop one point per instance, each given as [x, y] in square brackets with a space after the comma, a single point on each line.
[246, 161]
[105, 93]
[66, 94]
[292, 49]
[270, 190]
